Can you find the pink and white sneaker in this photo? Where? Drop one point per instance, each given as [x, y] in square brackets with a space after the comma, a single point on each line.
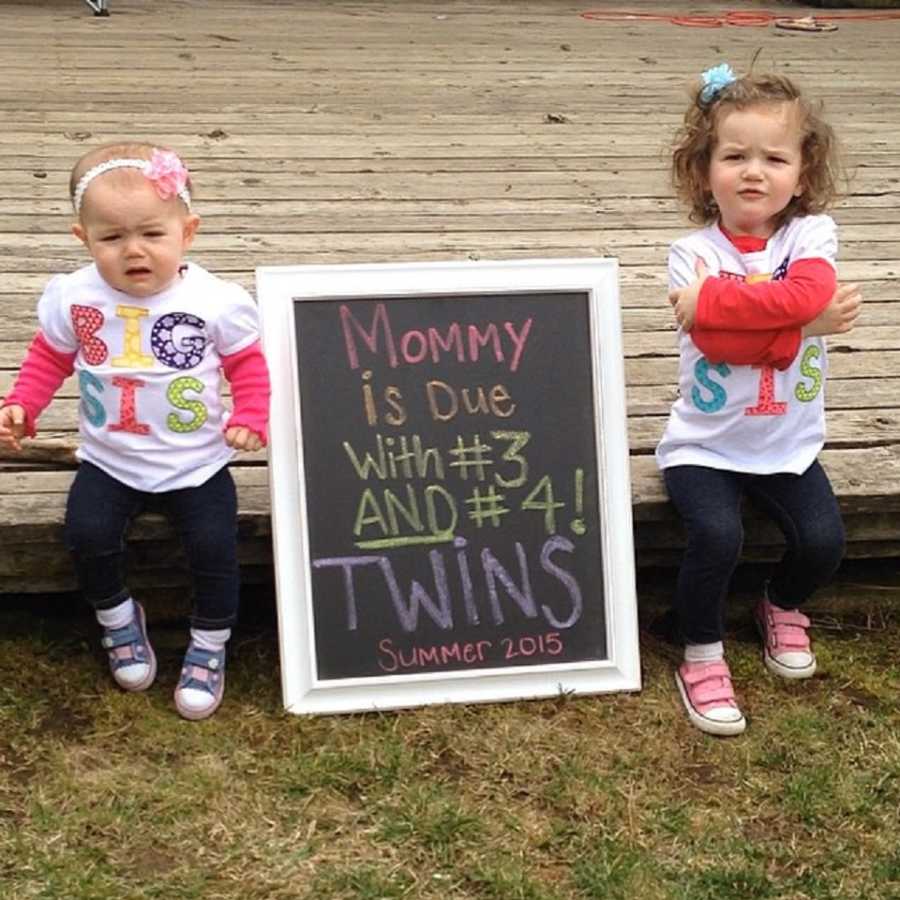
[786, 647]
[708, 697]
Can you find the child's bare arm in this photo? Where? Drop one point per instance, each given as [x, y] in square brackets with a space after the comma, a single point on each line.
[840, 315]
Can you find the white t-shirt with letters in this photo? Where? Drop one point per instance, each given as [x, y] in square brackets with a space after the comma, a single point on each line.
[753, 419]
[151, 413]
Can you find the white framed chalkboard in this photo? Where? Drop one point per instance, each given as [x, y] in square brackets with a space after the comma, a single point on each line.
[451, 503]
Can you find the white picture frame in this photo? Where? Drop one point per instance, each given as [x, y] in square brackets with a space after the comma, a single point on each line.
[279, 289]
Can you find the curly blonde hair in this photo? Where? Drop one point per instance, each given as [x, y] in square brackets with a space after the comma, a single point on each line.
[692, 148]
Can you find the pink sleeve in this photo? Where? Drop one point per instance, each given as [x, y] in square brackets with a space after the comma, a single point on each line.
[792, 302]
[43, 370]
[248, 375]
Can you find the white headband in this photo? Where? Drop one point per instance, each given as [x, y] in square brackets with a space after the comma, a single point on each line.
[164, 169]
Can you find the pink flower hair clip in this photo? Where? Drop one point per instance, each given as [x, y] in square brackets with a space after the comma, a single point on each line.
[168, 175]
[166, 172]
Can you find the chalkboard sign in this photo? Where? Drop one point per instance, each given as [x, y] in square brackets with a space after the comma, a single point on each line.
[449, 478]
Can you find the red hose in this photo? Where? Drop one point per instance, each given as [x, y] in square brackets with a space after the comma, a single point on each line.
[739, 18]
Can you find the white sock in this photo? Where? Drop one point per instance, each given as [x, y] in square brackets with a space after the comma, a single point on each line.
[704, 652]
[212, 640]
[117, 616]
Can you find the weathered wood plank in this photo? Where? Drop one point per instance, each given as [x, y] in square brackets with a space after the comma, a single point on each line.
[874, 393]
[639, 290]
[33, 501]
[865, 242]
[414, 131]
[846, 427]
[659, 369]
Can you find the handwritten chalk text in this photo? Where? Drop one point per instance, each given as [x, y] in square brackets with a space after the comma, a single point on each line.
[443, 601]
[505, 342]
[522, 649]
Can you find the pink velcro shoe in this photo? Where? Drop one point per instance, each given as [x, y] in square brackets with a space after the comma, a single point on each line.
[708, 697]
[786, 647]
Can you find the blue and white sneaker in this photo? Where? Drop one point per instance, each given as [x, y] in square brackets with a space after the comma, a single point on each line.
[202, 684]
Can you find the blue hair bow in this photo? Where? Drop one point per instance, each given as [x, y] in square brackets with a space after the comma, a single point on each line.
[714, 80]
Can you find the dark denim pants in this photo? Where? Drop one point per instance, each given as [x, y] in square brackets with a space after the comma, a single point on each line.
[709, 502]
[99, 510]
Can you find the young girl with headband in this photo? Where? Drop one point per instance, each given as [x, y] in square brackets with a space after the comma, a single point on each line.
[753, 292]
[147, 334]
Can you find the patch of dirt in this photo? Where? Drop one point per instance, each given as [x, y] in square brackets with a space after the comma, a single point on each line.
[151, 862]
[63, 722]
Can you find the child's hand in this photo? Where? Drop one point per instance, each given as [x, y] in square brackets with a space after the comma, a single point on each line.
[242, 438]
[12, 426]
[840, 315]
[684, 300]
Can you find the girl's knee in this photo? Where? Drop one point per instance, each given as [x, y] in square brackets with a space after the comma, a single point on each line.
[716, 543]
[824, 547]
[212, 550]
[88, 533]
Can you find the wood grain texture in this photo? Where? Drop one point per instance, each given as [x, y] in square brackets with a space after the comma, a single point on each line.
[339, 132]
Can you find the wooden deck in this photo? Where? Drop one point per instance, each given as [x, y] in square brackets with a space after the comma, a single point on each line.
[330, 132]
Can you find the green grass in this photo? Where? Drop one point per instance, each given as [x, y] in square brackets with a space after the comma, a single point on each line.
[105, 795]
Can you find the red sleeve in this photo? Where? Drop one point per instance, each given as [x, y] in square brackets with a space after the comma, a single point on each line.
[43, 370]
[776, 348]
[792, 302]
[248, 375]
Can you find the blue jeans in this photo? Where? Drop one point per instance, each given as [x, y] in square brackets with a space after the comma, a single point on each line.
[99, 510]
[709, 501]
